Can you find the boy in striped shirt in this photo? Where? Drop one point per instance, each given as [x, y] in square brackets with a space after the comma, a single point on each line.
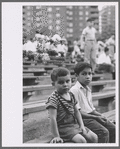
[66, 120]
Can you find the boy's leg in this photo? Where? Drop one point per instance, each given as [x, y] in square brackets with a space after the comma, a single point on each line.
[93, 55]
[87, 51]
[111, 127]
[90, 136]
[98, 129]
[78, 138]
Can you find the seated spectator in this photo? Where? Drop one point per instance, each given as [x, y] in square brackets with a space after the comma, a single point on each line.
[110, 43]
[104, 61]
[30, 45]
[76, 51]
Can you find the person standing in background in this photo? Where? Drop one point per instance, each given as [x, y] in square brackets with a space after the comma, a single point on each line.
[88, 42]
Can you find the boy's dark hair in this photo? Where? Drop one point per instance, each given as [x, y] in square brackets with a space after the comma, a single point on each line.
[106, 49]
[80, 66]
[59, 72]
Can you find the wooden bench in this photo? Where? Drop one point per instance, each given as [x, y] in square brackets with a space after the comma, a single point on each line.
[30, 80]
[37, 128]
[98, 86]
[36, 72]
[28, 62]
[46, 67]
[38, 102]
[95, 85]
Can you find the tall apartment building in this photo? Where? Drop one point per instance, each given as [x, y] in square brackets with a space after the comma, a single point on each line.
[107, 17]
[68, 21]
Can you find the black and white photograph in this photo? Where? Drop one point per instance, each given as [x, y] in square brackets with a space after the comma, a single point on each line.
[60, 74]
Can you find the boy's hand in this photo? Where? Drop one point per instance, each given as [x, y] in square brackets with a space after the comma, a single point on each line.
[57, 140]
[101, 119]
[84, 131]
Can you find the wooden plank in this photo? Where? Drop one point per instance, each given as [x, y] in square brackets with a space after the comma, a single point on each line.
[102, 82]
[49, 86]
[110, 115]
[39, 105]
[40, 66]
[34, 70]
[28, 74]
[103, 95]
[41, 71]
[29, 62]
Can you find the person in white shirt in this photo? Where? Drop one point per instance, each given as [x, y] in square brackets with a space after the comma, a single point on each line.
[104, 61]
[88, 39]
[30, 46]
[92, 119]
[110, 43]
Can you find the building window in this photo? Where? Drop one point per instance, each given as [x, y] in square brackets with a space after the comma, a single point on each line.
[28, 18]
[57, 27]
[57, 8]
[87, 13]
[80, 24]
[37, 19]
[70, 7]
[70, 24]
[70, 12]
[49, 9]
[50, 27]
[38, 7]
[28, 13]
[57, 15]
[70, 30]
[81, 18]
[86, 18]
[80, 7]
[81, 29]
[28, 24]
[57, 21]
[50, 21]
[28, 7]
[38, 24]
[49, 15]
[80, 13]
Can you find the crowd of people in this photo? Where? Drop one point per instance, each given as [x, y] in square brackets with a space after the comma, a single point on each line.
[87, 48]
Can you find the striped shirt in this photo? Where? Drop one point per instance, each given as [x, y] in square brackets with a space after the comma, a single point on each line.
[55, 101]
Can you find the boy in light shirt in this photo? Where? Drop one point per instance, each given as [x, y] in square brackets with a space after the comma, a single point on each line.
[92, 119]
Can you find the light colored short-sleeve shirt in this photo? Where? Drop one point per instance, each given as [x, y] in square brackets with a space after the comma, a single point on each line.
[83, 97]
[89, 33]
[103, 58]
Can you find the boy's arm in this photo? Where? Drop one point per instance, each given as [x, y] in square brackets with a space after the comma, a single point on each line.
[79, 119]
[54, 128]
[94, 115]
[87, 115]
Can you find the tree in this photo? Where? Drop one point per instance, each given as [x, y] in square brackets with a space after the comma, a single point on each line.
[107, 31]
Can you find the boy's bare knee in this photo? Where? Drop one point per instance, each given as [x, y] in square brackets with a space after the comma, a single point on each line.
[95, 139]
[79, 139]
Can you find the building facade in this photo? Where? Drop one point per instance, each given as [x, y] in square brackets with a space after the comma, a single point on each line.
[107, 17]
[67, 21]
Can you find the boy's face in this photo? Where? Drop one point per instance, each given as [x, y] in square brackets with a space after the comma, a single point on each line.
[85, 76]
[63, 84]
[90, 23]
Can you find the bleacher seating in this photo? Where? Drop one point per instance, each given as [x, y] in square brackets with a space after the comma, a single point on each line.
[36, 127]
